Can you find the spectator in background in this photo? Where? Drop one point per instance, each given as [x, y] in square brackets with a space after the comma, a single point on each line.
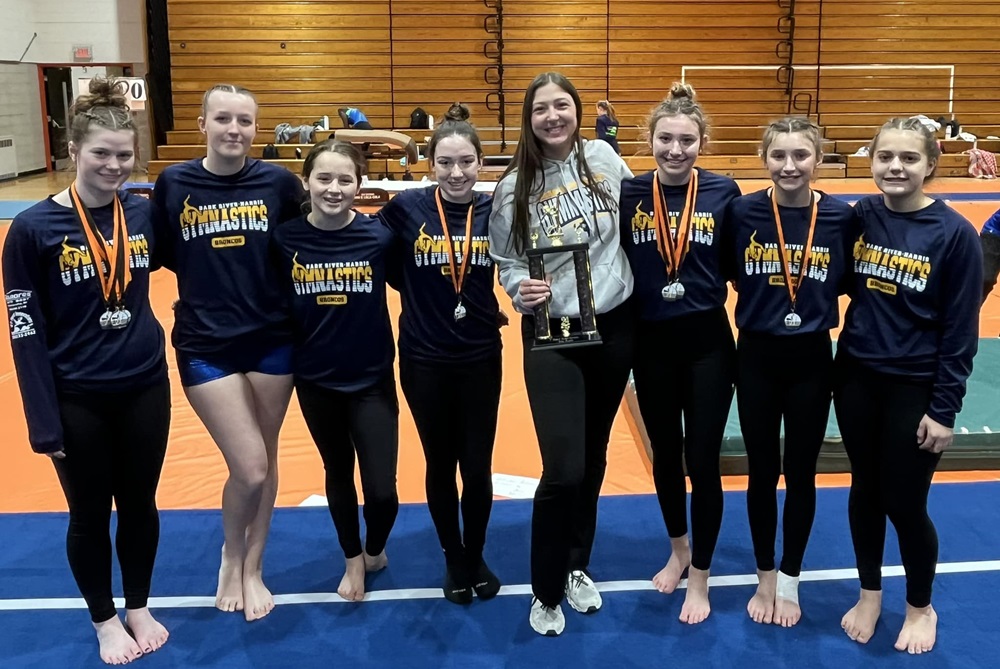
[607, 125]
[354, 118]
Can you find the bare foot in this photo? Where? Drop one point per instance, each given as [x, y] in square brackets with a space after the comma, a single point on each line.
[376, 562]
[919, 630]
[117, 647]
[667, 579]
[787, 611]
[258, 601]
[859, 622]
[147, 632]
[696, 607]
[761, 605]
[352, 586]
[229, 594]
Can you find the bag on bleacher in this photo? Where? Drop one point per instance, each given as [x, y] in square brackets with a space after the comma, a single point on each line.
[270, 152]
[419, 119]
[982, 164]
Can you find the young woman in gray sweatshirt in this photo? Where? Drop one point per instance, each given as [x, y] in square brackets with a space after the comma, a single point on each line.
[559, 190]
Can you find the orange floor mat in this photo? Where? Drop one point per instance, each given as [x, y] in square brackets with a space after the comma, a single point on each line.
[194, 471]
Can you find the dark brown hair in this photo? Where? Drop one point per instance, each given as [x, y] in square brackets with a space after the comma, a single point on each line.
[457, 112]
[528, 160]
[345, 149]
[452, 128]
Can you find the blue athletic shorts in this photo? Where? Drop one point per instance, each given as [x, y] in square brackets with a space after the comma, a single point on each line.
[196, 369]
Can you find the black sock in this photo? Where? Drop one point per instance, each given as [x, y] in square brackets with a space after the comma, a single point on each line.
[457, 588]
[484, 581]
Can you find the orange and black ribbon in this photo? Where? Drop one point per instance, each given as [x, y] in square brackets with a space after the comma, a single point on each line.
[793, 287]
[113, 271]
[457, 274]
[673, 249]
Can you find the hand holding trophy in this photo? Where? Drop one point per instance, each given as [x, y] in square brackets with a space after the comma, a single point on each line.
[566, 337]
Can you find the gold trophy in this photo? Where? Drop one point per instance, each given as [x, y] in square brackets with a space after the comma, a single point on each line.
[565, 336]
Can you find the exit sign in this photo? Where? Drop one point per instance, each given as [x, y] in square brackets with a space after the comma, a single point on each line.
[83, 53]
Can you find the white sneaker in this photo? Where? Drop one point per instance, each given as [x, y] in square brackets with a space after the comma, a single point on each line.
[581, 593]
[547, 621]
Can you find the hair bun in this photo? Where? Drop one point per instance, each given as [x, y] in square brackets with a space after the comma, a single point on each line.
[681, 90]
[102, 92]
[457, 112]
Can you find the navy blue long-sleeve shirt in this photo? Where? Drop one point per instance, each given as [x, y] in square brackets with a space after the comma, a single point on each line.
[607, 130]
[701, 274]
[214, 233]
[992, 224]
[54, 306]
[334, 281]
[755, 263]
[915, 298]
[428, 330]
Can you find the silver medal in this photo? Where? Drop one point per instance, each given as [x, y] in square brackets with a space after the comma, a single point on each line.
[673, 292]
[459, 312]
[793, 321]
[120, 319]
[105, 320]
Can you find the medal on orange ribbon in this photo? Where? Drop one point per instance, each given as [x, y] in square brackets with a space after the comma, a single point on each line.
[673, 249]
[792, 320]
[458, 272]
[113, 271]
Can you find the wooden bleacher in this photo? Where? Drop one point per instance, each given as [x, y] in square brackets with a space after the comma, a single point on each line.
[388, 58]
[736, 158]
[949, 165]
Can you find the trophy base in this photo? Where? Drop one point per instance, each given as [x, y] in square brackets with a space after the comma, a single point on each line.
[572, 341]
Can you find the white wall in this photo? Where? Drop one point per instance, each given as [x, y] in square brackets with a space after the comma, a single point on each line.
[15, 29]
[21, 114]
[78, 73]
[112, 27]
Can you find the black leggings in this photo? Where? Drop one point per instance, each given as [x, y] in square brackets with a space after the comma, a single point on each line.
[890, 475]
[366, 421]
[788, 377]
[574, 395]
[114, 445]
[455, 409]
[684, 370]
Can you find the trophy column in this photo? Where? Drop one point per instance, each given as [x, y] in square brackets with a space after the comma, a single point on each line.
[585, 291]
[536, 270]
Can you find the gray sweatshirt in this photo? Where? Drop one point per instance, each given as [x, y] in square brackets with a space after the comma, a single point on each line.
[565, 210]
